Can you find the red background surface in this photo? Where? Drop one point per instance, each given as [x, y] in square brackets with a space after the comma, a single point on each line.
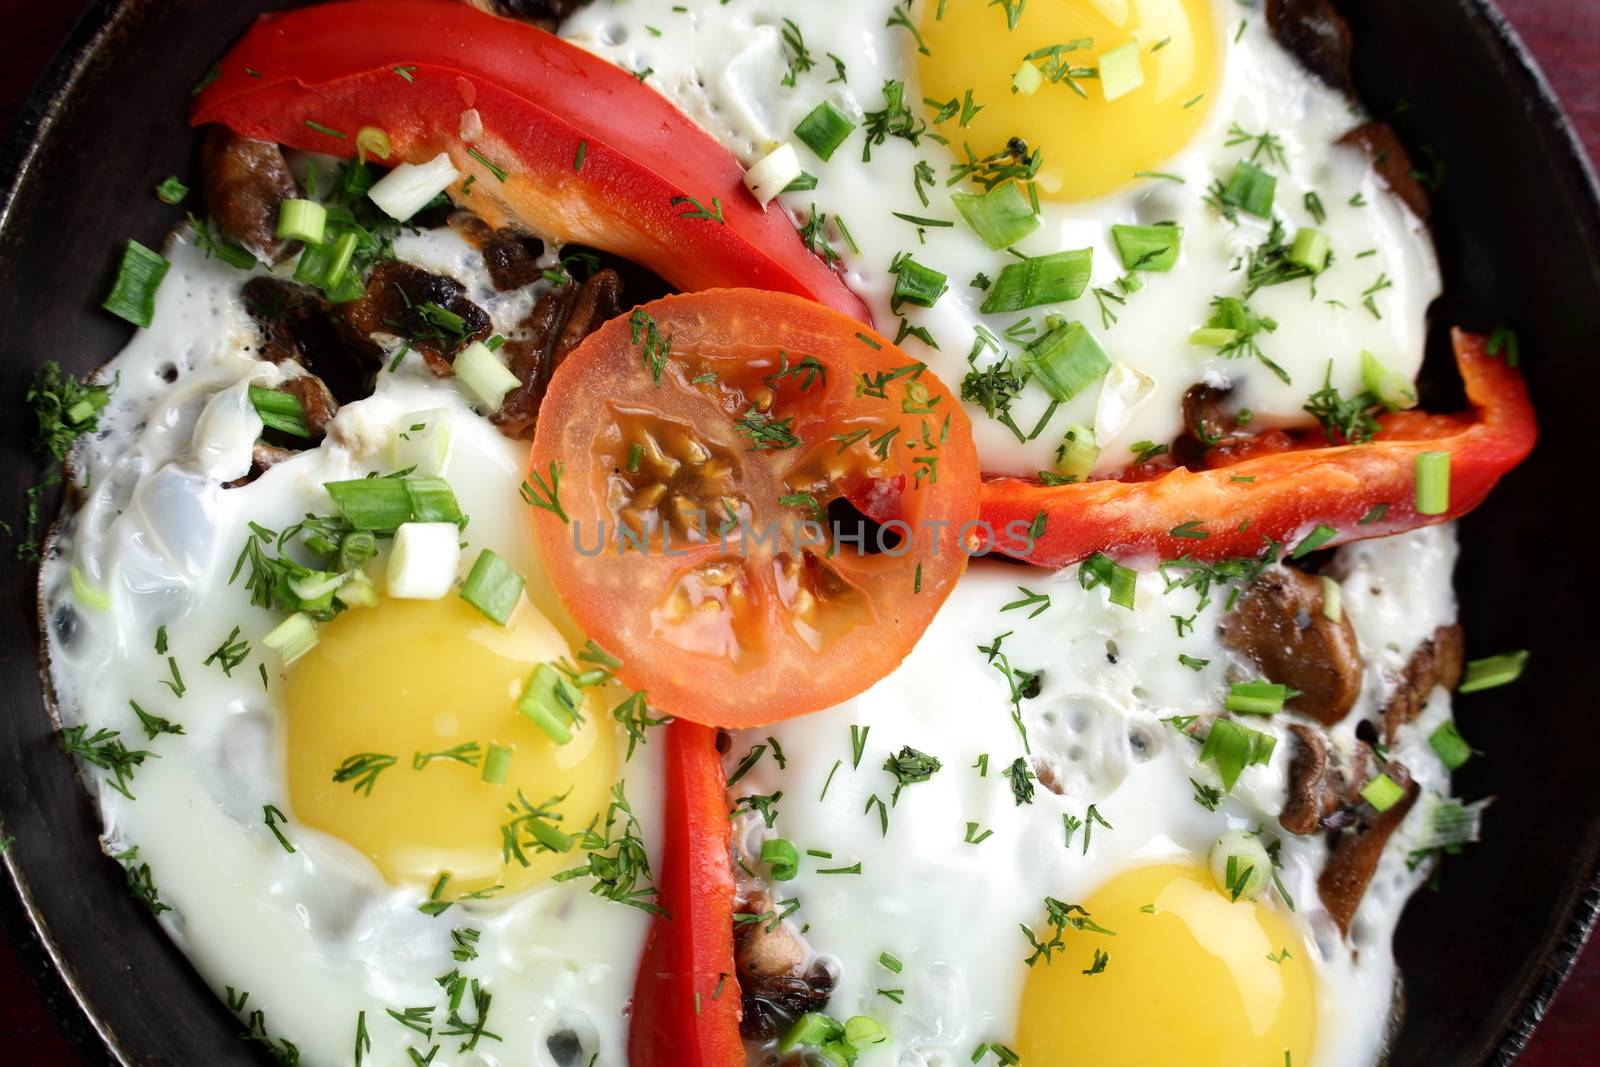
[1563, 34]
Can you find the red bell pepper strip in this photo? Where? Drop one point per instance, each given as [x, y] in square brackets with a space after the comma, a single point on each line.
[571, 146]
[1284, 494]
[686, 1002]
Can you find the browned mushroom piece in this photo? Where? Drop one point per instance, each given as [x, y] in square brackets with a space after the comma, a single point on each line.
[1208, 423]
[315, 400]
[405, 301]
[1324, 787]
[262, 457]
[775, 983]
[245, 182]
[508, 255]
[1317, 35]
[1392, 162]
[1349, 870]
[1436, 662]
[1280, 626]
[558, 323]
[297, 324]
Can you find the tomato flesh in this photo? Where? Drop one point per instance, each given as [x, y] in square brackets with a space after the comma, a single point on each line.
[704, 446]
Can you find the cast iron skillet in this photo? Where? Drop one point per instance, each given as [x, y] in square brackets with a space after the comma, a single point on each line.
[1518, 226]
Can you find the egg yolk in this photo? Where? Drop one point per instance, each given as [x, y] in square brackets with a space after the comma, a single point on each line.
[1090, 145]
[1193, 978]
[411, 678]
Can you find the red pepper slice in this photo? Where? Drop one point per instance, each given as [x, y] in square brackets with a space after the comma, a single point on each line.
[588, 153]
[686, 1001]
[1283, 493]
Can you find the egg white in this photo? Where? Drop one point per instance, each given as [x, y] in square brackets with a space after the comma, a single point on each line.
[950, 910]
[316, 936]
[724, 64]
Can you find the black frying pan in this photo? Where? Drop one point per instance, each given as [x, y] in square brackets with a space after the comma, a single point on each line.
[1518, 226]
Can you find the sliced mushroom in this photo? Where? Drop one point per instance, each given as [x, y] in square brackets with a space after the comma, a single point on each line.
[297, 324]
[558, 323]
[775, 982]
[1437, 661]
[1316, 34]
[1324, 789]
[398, 301]
[1354, 861]
[315, 400]
[1280, 626]
[1392, 162]
[245, 183]
[509, 256]
[262, 457]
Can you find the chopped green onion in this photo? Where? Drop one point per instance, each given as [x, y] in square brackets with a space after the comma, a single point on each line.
[1066, 361]
[1027, 79]
[485, 377]
[424, 560]
[133, 295]
[1101, 569]
[1448, 744]
[1241, 864]
[782, 857]
[497, 764]
[1040, 280]
[1393, 390]
[280, 411]
[1493, 671]
[1320, 535]
[1231, 748]
[1121, 71]
[302, 220]
[1251, 189]
[551, 701]
[326, 264]
[171, 191]
[1332, 599]
[432, 500]
[371, 141]
[383, 504]
[824, 130]
[493, 587]
[812, 1029]
[916, 284]
[1311, 250]
[358, 591]
[773, 173]
[1382, 792]
[292, 638]
[1001, 217]
[863, 1030]
[314, 589]
[1451, 824]
[1078, 453]
[1213, 337]
[1433, 483]
[410, 187]
[90, 597]
[1150, 248]
[1257, 698]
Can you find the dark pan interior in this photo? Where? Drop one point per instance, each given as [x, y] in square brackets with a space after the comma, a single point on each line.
[1517, 225]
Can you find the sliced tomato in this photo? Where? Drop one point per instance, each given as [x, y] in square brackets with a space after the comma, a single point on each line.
[700, 443]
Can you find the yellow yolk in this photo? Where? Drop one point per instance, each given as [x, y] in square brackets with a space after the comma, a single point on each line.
[426, 676]
[1091, 145]
[1188, 982]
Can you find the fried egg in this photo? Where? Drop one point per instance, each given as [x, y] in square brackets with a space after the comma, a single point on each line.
[926, 901]
[1214, 90]
[334, 903]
